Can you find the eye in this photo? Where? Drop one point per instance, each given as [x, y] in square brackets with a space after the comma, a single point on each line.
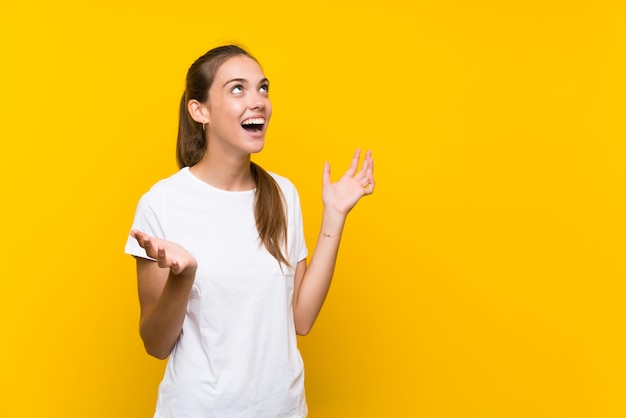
[265, 88]
[237, 89]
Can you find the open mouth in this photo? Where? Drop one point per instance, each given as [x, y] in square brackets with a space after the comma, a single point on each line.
[254, 125]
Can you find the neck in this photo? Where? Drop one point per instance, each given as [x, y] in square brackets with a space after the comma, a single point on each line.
[225, 172]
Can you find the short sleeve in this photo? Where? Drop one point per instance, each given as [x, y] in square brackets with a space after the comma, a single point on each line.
[149, 218]
[300, 249]
[295, 239]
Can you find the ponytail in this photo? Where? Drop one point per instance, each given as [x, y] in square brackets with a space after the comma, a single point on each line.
[269, 212]
[191, 143]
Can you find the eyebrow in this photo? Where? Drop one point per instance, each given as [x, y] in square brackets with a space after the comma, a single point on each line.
[244, 81]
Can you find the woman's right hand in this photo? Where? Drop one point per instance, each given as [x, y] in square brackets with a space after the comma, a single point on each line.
[167, 254]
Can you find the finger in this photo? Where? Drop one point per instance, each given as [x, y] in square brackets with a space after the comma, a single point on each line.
[370, 169]
[152, 248]
[175, 267]
[326, 174]
[365, 174]
[367, 167]
[354, 164]
[136, 234]
[161, 257]
[364, 178]
[369, 189]
[145, 242]
[141, 237]
[368, 158]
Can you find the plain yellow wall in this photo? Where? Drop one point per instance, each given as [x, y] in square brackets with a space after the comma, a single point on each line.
[485, 277]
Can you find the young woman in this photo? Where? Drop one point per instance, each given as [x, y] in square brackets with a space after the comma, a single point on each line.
[223, 280]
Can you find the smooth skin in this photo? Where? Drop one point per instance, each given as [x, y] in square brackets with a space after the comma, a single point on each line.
[240, 91]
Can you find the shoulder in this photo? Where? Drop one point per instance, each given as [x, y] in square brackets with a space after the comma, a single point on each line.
[285, 184]
[166, 186]
[174, 182]
[182, 176]
[290, 193]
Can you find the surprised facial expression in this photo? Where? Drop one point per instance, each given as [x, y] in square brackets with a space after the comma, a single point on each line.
[238, 107]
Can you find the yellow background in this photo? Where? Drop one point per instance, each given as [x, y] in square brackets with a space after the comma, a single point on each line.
[484, 278]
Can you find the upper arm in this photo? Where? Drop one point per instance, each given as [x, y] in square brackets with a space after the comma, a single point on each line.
[151, 280]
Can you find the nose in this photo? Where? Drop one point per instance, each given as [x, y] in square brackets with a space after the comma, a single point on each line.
[257, 101]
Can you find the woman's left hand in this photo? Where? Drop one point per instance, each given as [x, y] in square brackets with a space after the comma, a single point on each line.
[344, 194]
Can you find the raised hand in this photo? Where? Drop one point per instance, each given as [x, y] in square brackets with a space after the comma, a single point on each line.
[168, 254]
[344, 194]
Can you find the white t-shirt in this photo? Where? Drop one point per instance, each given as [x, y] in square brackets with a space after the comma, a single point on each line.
[237, 355]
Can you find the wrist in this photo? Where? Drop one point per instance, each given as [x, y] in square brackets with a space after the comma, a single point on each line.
[330, 214]
[332, 224]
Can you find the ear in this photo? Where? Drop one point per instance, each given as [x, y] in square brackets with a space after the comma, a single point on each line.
[198, 111]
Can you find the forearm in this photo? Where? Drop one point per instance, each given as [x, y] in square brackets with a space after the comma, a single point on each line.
[161, 324]
[318, 276]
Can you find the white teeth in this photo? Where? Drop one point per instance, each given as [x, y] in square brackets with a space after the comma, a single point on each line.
[254, 121]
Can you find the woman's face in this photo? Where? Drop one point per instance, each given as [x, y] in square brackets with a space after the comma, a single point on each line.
[238, 107]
